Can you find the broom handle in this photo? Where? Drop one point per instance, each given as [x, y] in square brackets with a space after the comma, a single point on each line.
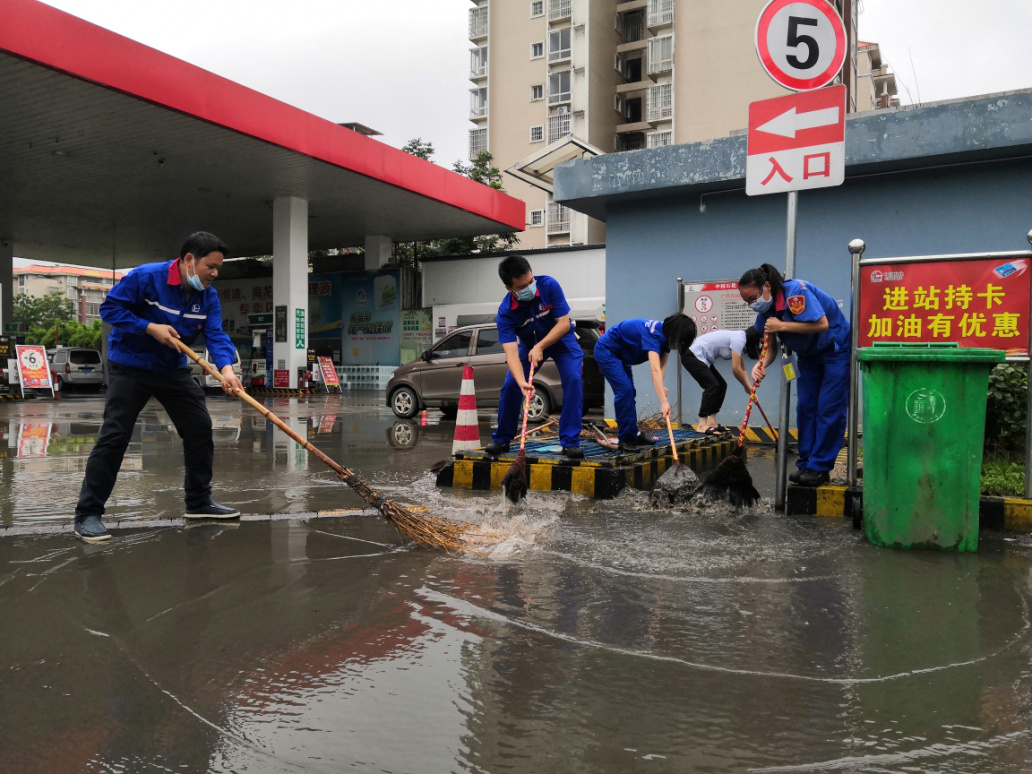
[769, 425]
[526, 409]
[373, 499]
[670, 432]
[752, 395]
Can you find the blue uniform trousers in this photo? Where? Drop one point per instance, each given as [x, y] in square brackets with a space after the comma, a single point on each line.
[821, 409]
[618, 374]
[510, 402]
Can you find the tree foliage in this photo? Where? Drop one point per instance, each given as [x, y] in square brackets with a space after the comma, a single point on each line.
[42, 312]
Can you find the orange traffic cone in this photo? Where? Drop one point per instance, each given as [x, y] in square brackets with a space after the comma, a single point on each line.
[422, 418]
[467, 427]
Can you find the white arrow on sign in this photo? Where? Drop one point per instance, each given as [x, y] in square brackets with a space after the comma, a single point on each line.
[790, 122]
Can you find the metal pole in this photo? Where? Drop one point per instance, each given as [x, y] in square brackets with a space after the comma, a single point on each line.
[680, 310]
[780, 501]
[856, 250]
[1028, 417]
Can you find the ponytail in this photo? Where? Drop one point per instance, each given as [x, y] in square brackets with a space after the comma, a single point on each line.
[757, 278]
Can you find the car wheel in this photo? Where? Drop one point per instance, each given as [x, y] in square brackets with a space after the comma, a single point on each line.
[540, 407]
[404, 402]
[450, 412]
[404, 435]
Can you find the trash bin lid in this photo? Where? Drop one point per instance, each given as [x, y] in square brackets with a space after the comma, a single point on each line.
[929, 352]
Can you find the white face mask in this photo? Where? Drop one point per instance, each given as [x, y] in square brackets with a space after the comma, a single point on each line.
[194, 280]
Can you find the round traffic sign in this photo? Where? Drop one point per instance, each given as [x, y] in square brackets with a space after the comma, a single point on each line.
[801, 43]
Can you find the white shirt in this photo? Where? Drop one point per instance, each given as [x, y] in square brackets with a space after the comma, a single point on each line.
[718, 345]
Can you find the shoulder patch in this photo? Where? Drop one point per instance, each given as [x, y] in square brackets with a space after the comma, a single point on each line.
[796, 304]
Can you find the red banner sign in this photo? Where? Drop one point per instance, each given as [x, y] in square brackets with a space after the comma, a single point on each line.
[33, 366]
[329, 372]
[281, 377]
[982, 302]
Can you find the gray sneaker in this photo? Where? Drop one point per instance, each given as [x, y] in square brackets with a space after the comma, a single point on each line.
[91, 530]
[212, 510]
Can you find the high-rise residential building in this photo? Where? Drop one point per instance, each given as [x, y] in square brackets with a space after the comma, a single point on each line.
[617, 76]
[85, 288]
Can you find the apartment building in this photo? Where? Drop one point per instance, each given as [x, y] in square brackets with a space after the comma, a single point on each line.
[618, 76]
[85, 288]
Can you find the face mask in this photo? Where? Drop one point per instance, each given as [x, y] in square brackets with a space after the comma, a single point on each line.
[761, 304]
[527, 294]
[194, 280]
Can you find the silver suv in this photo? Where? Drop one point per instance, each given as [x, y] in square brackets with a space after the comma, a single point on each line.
[76, 367]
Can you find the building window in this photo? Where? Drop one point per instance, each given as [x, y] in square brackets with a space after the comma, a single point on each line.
[618, 104]
[537, 133]
[659, 139]
[477, 22]
[661, 102]
[559, 87]
[537, 91]
[537, 9]
[478, 62]
[661, 54]
[558, 219]
[559, 125]
[537, 218]
[559, 44]
[559, 9]
[92, 310]
[537, 50]
[477, 102]
[477, 142]
[661, 12]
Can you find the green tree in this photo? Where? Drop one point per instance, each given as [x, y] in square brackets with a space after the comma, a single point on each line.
[419, 149]
[42, 312]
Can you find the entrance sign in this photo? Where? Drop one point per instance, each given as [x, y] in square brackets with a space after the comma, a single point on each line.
[33, 369]
[717, 306]
[797, 142]
[801, 43]
[982, 301]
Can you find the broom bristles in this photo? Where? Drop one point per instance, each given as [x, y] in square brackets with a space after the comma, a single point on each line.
[514, 485]
[731, 481]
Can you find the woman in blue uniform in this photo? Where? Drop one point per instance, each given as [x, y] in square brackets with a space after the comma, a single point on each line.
[807, 322]
[632, 342]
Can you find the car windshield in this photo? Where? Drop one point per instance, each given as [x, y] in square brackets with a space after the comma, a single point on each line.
[84, 357]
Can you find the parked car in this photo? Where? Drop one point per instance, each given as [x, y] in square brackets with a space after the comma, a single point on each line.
[76, 367]
[206, 380]
[433, 380]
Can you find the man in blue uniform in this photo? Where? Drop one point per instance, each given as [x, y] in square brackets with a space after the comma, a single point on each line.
[534, 324]
[153, 305]
[809, 323]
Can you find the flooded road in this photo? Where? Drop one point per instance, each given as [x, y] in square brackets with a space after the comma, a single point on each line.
[606, 637]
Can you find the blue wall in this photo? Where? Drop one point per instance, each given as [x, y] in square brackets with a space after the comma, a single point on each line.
[970, 207]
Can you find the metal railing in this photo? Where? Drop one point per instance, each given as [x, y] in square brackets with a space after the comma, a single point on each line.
[478, 22]
[558, 219]
[559, 126]
[660, 102]
[559, 9]
[661, 12]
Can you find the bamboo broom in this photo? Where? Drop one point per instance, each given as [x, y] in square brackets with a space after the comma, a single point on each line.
[515, 485]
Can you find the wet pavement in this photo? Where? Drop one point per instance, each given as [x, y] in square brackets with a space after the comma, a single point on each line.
[600, 637]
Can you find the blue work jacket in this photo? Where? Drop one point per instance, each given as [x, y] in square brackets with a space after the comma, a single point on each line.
[801, 301]
[530, 321]
[632, 340]
[153, 293]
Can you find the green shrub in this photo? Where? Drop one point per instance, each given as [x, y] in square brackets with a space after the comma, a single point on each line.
[1005, 411]
[1003, 475]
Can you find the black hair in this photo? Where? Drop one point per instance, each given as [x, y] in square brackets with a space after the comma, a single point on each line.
[201, 243]
[679, 331]
[757, 278]
[512, 268]
[753, 337]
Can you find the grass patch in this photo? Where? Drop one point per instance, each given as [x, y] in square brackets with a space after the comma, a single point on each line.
[1003, 474]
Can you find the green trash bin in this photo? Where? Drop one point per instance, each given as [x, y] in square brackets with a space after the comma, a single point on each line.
[924, 426]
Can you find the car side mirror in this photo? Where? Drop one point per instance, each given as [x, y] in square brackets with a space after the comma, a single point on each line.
[426, 355]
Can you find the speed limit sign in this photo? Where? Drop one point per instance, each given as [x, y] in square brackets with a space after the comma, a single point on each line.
[801, 43]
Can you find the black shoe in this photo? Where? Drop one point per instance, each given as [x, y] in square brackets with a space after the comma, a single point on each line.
[212, 510]
[643, 440]
[91, 529]
[495, 448]
[629, 446]
[573, 452]
[814, 477]
[794, 477]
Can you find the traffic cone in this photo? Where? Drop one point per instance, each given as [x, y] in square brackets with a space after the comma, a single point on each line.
[422, 418]
[467, 427]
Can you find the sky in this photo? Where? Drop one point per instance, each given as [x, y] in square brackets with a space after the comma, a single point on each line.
[336, 59]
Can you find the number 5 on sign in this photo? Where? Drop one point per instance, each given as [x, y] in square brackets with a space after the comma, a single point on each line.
[801, 43]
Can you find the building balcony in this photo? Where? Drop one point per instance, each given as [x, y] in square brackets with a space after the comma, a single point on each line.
[632, 5]
[478, 73]
[559, 10]
[636, 126]
[660, 13]
[633, 45]
[558, 219]
[624, 89]
[478, 23]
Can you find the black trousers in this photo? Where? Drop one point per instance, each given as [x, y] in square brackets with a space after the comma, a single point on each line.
[128, 391]
[714, 388]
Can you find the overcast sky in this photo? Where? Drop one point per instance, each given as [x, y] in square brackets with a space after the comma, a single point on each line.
[336, 58]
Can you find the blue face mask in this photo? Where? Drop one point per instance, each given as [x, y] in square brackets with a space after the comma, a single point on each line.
[761, 304]
[195, 281]
[527, 294]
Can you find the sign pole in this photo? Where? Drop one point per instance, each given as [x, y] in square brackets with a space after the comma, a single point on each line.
[781, 485]
[856, 251]
[1028, 412]
[680, 310]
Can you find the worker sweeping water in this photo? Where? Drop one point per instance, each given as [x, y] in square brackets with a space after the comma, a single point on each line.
[807, 322]
[630, 343]
[700, 360]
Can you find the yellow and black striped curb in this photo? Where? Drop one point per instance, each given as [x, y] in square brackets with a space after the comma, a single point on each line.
[760, 434]
[273, 391]
[994, 513]
[9, 396]
[591, 479]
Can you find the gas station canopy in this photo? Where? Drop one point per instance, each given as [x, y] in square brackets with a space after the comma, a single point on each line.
[112, 152]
